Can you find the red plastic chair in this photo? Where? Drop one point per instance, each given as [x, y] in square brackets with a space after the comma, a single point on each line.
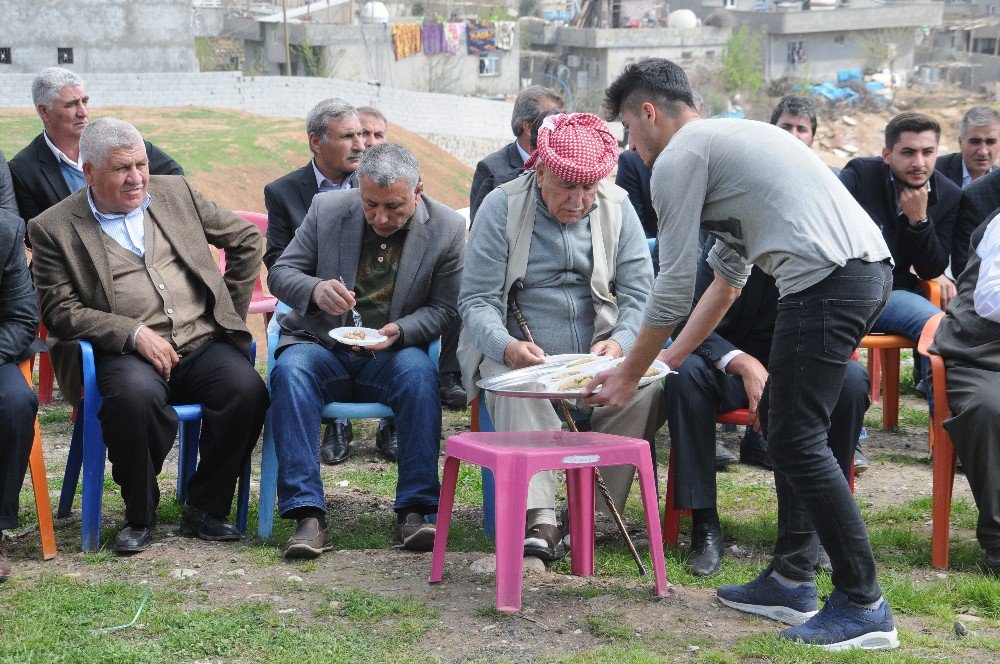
[261, 302]
[883, 364]
[671, 516]
[46, 376]
[943, 452]
[39, 483]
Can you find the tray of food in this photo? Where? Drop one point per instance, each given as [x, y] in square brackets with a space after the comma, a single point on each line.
[561, 377]
[357, 336]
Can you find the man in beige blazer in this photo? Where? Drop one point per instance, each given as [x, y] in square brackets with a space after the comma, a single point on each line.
[125, 264]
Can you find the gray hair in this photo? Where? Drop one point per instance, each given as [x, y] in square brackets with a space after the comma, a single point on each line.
[47, 84]
[526, 106]
[977, 116]
[318, 120]
[387, 164]
[104, 135]
[372, 111]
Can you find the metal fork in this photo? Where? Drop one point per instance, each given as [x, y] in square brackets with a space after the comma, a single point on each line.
[354, 312]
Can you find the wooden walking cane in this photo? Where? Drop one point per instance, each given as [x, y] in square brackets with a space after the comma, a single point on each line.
[564, 409]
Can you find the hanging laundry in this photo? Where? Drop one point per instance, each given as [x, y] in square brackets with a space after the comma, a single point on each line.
[433, 38]
[453, 33]
[405, 39]
[481, 36]
[505, 35]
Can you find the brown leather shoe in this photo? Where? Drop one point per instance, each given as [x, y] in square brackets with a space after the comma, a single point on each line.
[413, 533]
[309, 541]
[544, 541]
[4, 567]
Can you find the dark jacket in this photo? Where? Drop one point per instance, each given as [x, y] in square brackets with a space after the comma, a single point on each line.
[979, 201]
[749, 324]
[927, 250]
[493, 170]
[633, 176]
[287, 200]
[18, 304]
[39, 183]
[8, 201]
[950, 166]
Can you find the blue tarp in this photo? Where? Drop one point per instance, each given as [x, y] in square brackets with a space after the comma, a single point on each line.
[833, 93]
[848, 75]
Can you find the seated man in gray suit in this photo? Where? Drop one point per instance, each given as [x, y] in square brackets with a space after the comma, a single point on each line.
[400, 254]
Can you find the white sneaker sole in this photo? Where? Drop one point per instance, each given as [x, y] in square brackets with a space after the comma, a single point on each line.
[869, 641]
[779, 613]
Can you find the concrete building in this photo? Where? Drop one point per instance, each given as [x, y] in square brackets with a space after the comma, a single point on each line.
[97, 36]
[816, 39]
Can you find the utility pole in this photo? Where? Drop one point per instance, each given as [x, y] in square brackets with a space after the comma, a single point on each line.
[288, 57]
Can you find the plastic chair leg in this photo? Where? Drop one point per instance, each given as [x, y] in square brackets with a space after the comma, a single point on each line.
[941, 491]
[482, 422]
[243, 498]
[71, 476]
[41, 487]
[449, 479]
[890, 374]
[671, 516]
[580, 496]
[875, 375]
[94, 454]
[511, 519]
[268, 481]
[188, 438]
[46, 379]
[651, 507]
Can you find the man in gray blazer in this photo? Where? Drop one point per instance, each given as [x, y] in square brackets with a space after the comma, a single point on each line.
[400, 255]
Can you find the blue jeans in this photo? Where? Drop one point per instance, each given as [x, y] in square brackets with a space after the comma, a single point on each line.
[815, 333]
[307, 376]
[905, 314]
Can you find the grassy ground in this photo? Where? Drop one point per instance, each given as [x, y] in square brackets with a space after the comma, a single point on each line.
[366, 602]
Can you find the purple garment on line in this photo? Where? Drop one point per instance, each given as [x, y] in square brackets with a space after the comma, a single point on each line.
[433, 38]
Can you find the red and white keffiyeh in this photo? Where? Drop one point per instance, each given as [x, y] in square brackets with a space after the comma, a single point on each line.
[575, 147]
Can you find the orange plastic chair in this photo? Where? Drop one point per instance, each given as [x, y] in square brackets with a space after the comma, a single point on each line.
[39, 483]
[883, 364]
[260, 302]
[943, 452]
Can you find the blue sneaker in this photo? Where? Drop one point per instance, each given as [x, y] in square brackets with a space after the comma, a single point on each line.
[842, 624]
[765, 596]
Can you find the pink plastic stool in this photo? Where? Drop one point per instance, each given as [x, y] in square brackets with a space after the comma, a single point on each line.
[514, 458]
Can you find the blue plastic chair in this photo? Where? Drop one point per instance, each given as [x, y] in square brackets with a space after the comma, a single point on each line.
[334, 410]
[87, 452]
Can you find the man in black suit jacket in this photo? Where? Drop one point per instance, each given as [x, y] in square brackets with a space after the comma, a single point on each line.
[507, 163]
[916, 210]
[633, 177]
[49, 168]
[978, 143]
[717, 377]
[979, 201]
[18, 404]
[7, 200]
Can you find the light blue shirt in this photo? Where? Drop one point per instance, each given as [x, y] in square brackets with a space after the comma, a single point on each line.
[125, 229]
[525, 156]
[325, 185]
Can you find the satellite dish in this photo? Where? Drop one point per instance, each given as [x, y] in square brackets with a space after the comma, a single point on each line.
[374, 12]
[682, 19]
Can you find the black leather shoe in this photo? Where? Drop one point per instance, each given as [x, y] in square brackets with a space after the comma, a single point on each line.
[753, 450]
[199, 523]
[336, 445]
[991, 562]
[385, 439]
[452, 394]
[706, 549]
[133, 539]
[723, 457]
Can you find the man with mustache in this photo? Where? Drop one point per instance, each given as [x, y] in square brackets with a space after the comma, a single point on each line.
[915, 207]
[978, 144]
[49, 169]
[125, 264]
[337, 140]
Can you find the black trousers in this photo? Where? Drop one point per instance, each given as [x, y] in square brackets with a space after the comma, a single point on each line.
[139, 424]
[448, 362]
[18, 407]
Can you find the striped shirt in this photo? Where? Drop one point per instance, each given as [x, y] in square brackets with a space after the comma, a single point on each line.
[125, 229]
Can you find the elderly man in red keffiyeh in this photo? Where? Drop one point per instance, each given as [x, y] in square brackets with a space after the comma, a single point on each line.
[566, 244]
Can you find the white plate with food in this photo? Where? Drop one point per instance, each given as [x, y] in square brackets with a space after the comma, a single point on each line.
[561, 377]
[357, 336]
